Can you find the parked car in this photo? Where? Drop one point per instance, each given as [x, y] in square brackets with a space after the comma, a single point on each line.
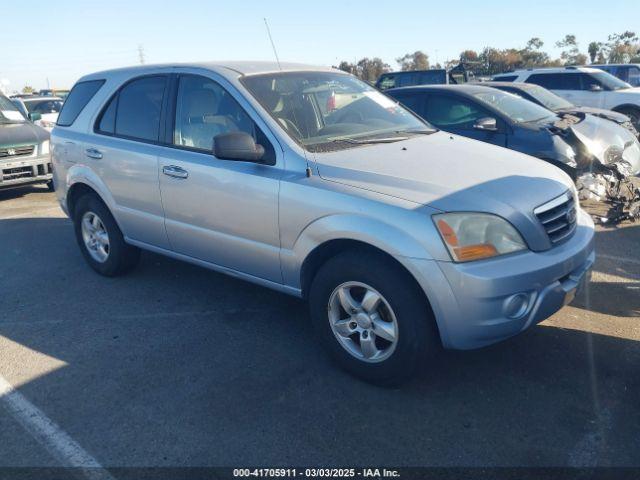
[587, 87]
[47, 108]
[572, 143]
[557, 104]
[401, 237]
[599, 155]
[24, 149]
[627, 72]
[438, 76]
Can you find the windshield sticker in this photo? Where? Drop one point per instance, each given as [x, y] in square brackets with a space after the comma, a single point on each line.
[12, 115]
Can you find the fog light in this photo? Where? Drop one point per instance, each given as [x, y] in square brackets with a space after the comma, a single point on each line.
[516, 305]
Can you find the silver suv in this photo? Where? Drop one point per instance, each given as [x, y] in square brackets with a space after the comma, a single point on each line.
[403, 238]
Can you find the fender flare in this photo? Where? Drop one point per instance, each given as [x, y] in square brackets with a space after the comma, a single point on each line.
[369, 230]
[81, 174]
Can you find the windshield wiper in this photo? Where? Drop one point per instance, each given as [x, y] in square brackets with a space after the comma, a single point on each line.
[369, 141]
[418, 131]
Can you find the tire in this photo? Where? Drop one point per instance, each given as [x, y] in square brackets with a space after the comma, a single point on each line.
[633, 114]
[50, 186]
[416, 335]
[120, 257]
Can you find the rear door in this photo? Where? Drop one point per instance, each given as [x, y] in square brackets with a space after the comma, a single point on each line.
[458, 115]
[124, 153]
[565, 84]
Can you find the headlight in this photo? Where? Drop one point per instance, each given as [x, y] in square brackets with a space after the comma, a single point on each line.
[44, 148]
[474, 236]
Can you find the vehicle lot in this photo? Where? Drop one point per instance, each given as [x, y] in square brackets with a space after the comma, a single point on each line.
[174, 365]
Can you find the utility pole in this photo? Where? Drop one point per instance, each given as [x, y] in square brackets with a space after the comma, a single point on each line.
[141, 54]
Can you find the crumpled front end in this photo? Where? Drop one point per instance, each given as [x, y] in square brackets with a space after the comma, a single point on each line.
[607, 158]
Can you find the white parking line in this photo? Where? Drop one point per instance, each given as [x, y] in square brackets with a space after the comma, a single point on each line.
[57, 442]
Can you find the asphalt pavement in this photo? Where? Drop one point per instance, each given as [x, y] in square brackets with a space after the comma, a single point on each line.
[175, 365]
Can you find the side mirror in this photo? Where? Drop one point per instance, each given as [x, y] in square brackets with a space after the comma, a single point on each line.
[595, 88]
[487, 124]
[35, 116]
[237, 146]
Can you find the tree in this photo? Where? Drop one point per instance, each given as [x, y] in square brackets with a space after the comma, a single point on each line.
[469, 56]
[594, 49]
[347, 67]
[369, 69]
[571, 55]
[28, 89]
[417, 60]
[531, 54]
[622, 47]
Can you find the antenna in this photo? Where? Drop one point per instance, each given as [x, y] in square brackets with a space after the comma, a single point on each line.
[141, 54]
[273, 45]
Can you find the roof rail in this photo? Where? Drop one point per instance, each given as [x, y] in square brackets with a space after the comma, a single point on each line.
[571, 68]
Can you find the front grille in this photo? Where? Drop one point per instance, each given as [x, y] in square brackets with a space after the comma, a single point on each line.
[17, 151]
[558, 217]
[18, 172]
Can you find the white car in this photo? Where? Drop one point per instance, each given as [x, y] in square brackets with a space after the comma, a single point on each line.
[47, 107]
[583, 86]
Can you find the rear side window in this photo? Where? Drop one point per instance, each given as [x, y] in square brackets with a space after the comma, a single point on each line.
[80, 95]
[505, 78]
[387, 81]
[556, 81]
[134, 111]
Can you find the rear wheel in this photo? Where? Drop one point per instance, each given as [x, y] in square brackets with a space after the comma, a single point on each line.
[100, 239]
[372, 317]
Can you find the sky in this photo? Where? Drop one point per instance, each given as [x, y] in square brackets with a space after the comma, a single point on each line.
[56, 42]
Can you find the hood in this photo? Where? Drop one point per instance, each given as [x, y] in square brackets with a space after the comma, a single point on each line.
[608, 141]
[25, 133]
[449, 173]
[597, 112]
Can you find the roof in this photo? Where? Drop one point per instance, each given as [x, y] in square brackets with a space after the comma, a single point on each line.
[226, 68]
[553, 70]
[517, 85]
[466, 89]
[39, 98]
[614, 64]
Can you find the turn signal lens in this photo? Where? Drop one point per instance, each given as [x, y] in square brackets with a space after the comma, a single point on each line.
[474, 236]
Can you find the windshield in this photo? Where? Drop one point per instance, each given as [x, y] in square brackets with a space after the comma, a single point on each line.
[608, 81]
[548, 99]
[43, 106]
[330, 111]
[516, 108]
[8, 111]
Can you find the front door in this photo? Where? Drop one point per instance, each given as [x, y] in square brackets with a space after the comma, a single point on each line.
[459, 115]
[223, 212]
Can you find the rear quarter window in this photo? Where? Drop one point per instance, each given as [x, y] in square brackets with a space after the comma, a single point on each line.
[505, 78]
[80, 95]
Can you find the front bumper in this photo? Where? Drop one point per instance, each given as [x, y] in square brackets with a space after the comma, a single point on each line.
[24, 170]
[480, 303]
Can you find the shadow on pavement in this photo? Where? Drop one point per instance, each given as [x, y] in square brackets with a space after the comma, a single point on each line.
[176, 365]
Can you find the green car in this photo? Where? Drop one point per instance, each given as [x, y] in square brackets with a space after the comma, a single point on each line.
[24, 148]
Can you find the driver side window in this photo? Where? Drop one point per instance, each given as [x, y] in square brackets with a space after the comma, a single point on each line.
[450, 112]
[204, 110]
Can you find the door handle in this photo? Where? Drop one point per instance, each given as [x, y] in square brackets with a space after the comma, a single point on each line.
[93, 153]
[175, 172]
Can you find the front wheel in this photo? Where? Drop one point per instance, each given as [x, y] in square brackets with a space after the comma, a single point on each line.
[100, 239]
[633, 114]
[372, 317]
